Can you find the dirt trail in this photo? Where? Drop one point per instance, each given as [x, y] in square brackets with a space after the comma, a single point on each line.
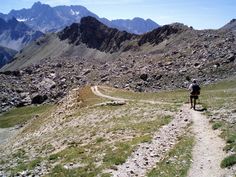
[208, 150]
[98, 93]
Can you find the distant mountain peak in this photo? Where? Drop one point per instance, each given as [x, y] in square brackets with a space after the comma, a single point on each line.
[39, 5]
[36, 4]
[90, 21]
[45, 18]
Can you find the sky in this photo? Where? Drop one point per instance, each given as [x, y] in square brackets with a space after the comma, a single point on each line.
[201, 14]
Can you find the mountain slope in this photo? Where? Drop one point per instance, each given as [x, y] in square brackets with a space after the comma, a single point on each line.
[90, 52]
[95, 35]
[45, 18]
[16, 35]
[230, 26]
[6, 55]
[89, 39]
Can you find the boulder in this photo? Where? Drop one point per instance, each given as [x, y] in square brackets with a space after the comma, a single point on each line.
[144, 76]
[38, 99]
[47, 84]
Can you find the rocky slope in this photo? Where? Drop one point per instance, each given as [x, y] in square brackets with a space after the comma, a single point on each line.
[6, 55]
[45, 18]
[91, 53]
[95, 35]
[230, 26]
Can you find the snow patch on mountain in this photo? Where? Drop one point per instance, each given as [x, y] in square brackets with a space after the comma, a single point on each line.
[22, 19]
[74, 12]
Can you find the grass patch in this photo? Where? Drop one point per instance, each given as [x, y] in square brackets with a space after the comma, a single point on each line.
[228, 161]
[100, 140]
[144, 126]
[177, 161]
[69, 154]
[122, 150]
[87, 171]
[176, 96]
[21, 115]
[216, 125]
[89, 154]
[23, 166]
[88, 98]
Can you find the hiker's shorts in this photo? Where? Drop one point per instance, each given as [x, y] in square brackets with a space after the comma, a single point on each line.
[193, 97]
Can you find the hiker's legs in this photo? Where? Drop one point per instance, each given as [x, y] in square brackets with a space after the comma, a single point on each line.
[191, 101]
[194, 103]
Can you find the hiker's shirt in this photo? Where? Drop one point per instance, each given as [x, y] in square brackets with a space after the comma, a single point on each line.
[192, 91]
[190, 88]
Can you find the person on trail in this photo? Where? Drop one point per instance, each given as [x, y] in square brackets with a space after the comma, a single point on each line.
[194, 93]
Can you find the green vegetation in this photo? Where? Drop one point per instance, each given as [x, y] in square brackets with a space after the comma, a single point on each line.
[21, 115]
[19, 154]
[144, 126]
[216, 125]
[22, 166]
[89, 154]
[228, 161]
[177, 161]
[88, 171]
[69, 154]
[122, 151]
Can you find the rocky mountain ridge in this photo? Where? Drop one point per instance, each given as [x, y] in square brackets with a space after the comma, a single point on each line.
[95, 35]
[44, 18]
[166, 58]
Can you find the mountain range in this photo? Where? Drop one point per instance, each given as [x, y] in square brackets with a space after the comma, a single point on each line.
[44, 18]
[90, 52]
[18, 28]
[14, 35]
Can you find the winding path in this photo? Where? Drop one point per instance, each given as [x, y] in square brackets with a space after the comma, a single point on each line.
[207, 152]
[98, 93]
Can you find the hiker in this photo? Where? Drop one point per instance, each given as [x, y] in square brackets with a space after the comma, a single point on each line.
[194, 93]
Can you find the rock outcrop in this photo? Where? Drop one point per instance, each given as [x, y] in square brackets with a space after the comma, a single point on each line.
[230, 26]
[95, 35]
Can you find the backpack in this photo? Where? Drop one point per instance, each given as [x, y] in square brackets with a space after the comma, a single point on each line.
[195, 89]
